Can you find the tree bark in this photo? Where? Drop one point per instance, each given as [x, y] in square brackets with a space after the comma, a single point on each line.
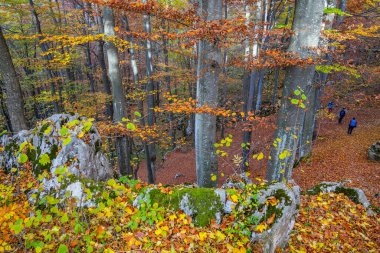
[51, 73]
[209, 67]
[118, 97]
[306, 138]
[306, 27]
[102, 63]
[14, 99]
[150, 93]
[140, 103]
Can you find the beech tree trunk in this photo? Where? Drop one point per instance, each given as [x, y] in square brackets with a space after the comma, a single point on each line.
[150, 97]
[118, 97]
[14, 99]
[306, 27]
[102, 63]
[140, 103]
[209, 67]
[250, 88]
[306, 138]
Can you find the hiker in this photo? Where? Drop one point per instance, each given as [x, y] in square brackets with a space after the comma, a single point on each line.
[330, 107]
[342, 113]
[352, 125]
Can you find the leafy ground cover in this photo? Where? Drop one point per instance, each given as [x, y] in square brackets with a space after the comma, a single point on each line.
[327, 222]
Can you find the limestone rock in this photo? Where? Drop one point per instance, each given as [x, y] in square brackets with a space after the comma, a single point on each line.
[70, 144]
[286, 212]
[374, 152]
[355, 194]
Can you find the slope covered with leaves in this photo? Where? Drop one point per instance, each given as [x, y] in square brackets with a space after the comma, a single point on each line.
[327, 222]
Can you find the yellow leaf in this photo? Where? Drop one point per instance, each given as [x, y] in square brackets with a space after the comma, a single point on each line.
[80, 135]
[260, 156]
[234, 198]
[213, 178]
[202, 236]
[261, 227]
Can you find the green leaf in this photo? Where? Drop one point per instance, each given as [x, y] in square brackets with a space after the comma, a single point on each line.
[294, 101]
[64, 131]
[66, 141]
[48, 130]
[87, 126]
[78, 228]
[3, 132]
[23, 158]
[62, 249]
[17, 227]
[90, 249]
[64, 218]
[137, 114]
[44, 159]
[303, 97]
[297, 92]
[336, 11]
[60, 170]
[73, 123]
[22, 146]
[131, 126]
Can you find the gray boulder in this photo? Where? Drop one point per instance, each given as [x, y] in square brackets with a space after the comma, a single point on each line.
[277, 236]
[64, 145]
[374, 152]
[355, 194]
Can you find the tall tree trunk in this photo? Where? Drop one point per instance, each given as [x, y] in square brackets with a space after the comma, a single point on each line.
[342, 6]
[306, 138]
[209, 67]
[102, 63]
[51, 73]
[260, 86]
[90, 68]
[251, 81]
[14, 99]
[172, 129]
[4, 110]
[150, 91]
[118, 97]
[306, 27]
[140, 103]
[275, 87]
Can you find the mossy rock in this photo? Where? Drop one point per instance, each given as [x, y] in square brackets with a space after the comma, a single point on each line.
[201, 203]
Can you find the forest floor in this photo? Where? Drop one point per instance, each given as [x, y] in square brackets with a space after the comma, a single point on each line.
[336, 156]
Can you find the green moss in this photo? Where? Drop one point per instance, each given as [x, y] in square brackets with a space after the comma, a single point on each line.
[350, 193]
[315, 190]
[279, 195]
[205, 202]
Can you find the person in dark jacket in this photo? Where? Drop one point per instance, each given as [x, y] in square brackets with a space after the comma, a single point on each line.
[342, 113]
[352, 125]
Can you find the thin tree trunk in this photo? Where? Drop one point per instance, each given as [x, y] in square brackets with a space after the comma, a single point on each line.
[118, 97]
[102, 63]
[306, 27]
[209, 67]
[275, 87]
[150, 91]
[52, 74]
[342, 6]
[251, 86]
[14, 99]
[140, 103]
